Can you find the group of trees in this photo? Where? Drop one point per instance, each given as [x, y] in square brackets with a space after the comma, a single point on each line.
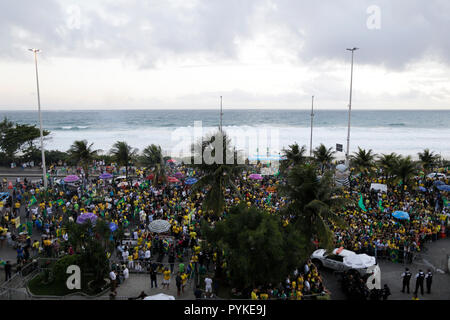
[83, 154]
[15, 138]
[393, 167]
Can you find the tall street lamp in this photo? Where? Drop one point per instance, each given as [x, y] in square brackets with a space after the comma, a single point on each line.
[44, 170]
[347, 154]
[312, 116]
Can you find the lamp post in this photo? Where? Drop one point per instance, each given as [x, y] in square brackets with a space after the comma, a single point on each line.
[349, 110]
[312, 116]
[44, 170]
[221, 114]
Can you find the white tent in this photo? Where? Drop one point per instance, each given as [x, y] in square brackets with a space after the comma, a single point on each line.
[160, 296]
[378, 187]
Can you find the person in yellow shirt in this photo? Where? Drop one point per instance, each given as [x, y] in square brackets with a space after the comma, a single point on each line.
[184, 277]
[166, 278]
[264, 296]
[254, 294]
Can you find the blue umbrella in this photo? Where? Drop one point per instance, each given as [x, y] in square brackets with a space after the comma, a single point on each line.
[438, 183]
[190, 181]
[112, 226]
[444, 187]
[402, 215]
[423, 189]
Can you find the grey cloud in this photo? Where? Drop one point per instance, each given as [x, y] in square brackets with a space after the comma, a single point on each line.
[409, 29]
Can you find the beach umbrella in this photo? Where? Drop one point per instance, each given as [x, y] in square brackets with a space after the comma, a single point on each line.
[179, 175]
[106, 175]
[86, 216]
[71, 178]
[191, 181]
[444, 187]
[159, 226]
[402, 215]
[423, 189]
[255, 176]
[150, 176]
[122, 184]
[173, 179]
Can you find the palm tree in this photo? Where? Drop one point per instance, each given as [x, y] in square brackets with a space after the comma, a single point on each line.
[152, 157]
[428, 160]
[404, 169]
[294, 155]
[323, 156]
[218, 175]
[83, 154]
[363, 161]
[387, 162]
[312, 203]
[123, 154]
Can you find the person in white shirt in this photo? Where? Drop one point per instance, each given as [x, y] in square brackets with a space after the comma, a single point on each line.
[112, 277]
[125, 255]
[147, 254]
[126, 273]
[208, 285]
[307, 286]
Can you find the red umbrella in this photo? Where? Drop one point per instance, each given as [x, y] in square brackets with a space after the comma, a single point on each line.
[150, 176]
[173, 179]
[170, 160]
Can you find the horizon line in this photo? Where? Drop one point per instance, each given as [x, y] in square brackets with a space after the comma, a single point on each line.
[247, 108]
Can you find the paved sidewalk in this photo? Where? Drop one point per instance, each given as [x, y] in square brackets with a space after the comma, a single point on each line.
[137, 283]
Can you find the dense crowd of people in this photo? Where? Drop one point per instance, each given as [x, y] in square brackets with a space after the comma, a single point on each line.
[133, 204]
[376, 232]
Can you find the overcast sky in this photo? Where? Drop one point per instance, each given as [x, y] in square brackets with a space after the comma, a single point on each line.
[102, 54]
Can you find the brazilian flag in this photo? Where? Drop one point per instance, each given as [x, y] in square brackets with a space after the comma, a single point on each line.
[394, 255]
[361, 203]
[60, 202]
[33, 200]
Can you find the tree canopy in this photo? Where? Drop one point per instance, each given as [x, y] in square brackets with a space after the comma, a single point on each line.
[257, 249]
[15, 137]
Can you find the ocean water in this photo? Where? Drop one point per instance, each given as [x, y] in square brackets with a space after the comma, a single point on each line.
[406, 132]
